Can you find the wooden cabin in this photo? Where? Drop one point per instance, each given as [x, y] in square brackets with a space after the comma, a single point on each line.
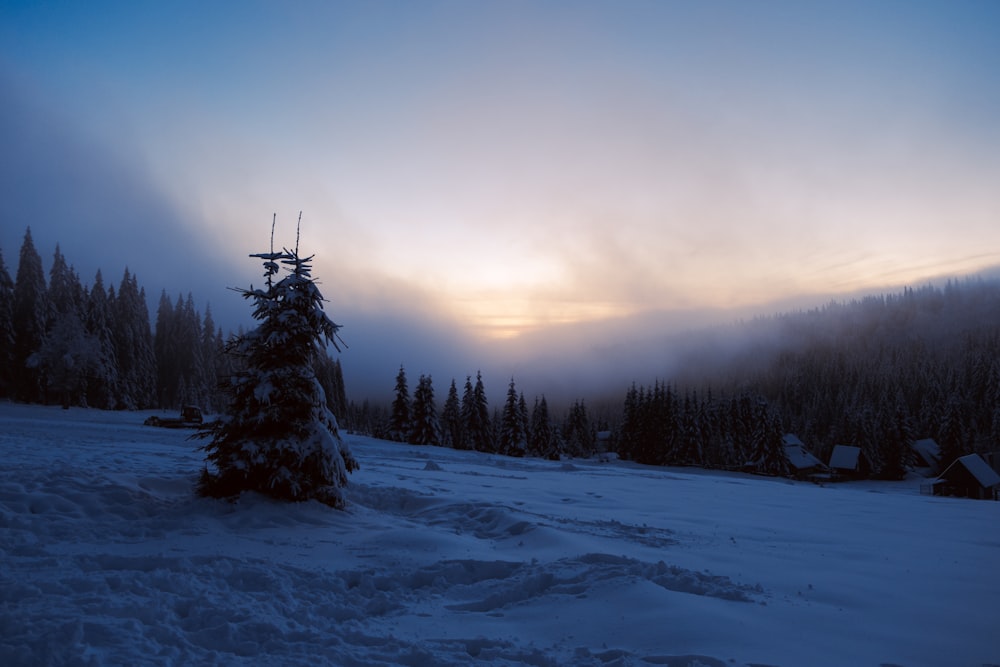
[968, 476]
[850, 462]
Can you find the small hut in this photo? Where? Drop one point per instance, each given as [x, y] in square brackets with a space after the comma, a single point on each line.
[804, 464]
[850, 462]
[926, 456]
[968, 476]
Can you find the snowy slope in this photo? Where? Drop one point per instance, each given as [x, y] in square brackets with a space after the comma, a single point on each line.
[447, 558]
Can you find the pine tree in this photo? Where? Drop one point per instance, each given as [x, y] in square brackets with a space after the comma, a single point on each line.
[524, 417]
[425, 427]
[542, 441]
[770, 457]
[331, 377]
[576, 432]
[210, 353]
[103, 386]
[192, 365]
[165, 351]
[896, 443]
[279, 438]
[451, 419]
[467, 414]
[6, 331]
[513, 438]
[476, 418]
[951, 434]
[399, 424]
[30, 308]
[133, 346]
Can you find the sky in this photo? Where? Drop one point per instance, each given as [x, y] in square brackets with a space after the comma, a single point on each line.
[512, 186]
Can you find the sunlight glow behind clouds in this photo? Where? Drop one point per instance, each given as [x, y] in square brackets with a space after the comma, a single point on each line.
[516, 166]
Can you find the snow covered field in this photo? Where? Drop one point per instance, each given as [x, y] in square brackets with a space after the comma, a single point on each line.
[451, 558]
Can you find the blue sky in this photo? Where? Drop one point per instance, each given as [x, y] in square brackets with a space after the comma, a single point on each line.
[484, 181]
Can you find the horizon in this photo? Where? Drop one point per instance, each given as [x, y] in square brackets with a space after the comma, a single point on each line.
[559, 375]
[505, 186]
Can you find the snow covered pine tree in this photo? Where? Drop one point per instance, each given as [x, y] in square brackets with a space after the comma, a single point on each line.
[278, 437]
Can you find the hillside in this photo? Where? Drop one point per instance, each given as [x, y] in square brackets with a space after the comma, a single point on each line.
[448, 557]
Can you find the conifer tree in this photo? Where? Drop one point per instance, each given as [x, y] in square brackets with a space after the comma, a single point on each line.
[68, 356]
[165, 351]
[542, 439]
[770, 457]
[524, 417]
[476, 418]
[951, 434]
[133, 346]
[577, 435]
[513, 438]
[210, 353]
[896, 443]
[6, 331]
[468, 403]
[451, 419]
[332, 378]
[30, 308]
[278, 437]
[399, 424]
[102, 388]
[425, 427]
[192, 365]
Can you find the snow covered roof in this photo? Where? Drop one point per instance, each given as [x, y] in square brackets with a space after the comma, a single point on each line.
[845, 457]
[801, 458]
[792, 439]
[978, 468]
[928, 450]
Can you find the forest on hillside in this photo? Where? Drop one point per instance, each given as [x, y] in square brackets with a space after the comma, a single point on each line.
[64, 343]
[876, 372]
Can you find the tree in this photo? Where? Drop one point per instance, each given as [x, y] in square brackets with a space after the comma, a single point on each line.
[951, 434]
[278, 437]
[68, 356]
[399, 424]
[30, 310]
[425, 428]
[476, 416]
[164, 348]
[542, 439]
[451, 419]
[331, 377]
[576, 432]
[6, 330]
[770, 457]
[133, 346]
[513, 430]
[102, 388]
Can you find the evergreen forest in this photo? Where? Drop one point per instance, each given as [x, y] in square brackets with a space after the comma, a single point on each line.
[875, 372]
[66, 343]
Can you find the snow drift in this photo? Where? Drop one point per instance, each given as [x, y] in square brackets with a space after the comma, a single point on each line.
[451, 558]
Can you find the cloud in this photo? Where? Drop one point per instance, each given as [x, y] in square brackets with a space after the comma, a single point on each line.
[98, 205]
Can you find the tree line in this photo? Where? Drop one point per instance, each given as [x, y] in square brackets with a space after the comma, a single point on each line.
[62, 342]
[877, 373]
[467, 423]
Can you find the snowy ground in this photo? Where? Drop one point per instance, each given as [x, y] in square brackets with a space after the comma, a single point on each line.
[451, 558]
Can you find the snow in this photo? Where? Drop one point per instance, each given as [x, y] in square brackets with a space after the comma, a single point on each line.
[450, 557]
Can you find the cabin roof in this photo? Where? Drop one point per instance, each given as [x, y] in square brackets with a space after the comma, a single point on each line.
[928, 450]
[978, 468]
[845, 457]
